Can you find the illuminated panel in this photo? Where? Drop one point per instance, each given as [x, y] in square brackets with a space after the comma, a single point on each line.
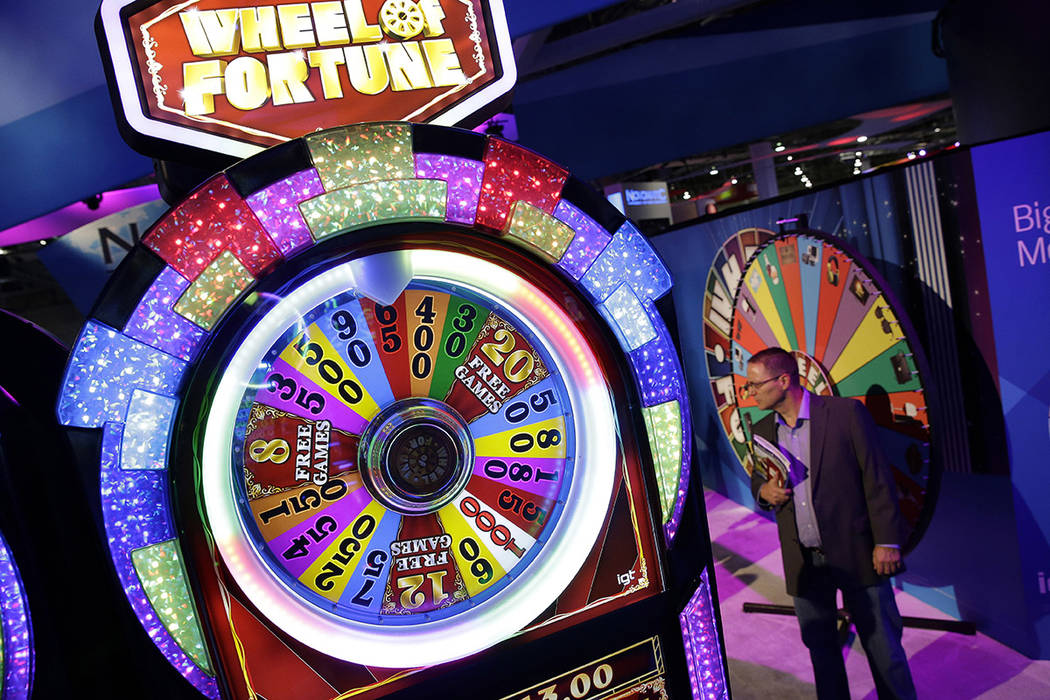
[104, 369]
[209, 221]
[628, 258]
[214, 290]
[656, 368]
[135, 512]
[391, 200]
[538, 231]
[686, 454]
[522, 600]
[463, 176]
[628, 318]
[514, 174]
[362, 153]
[663, 422]
[277, 210]
[702, 650]
[164, 581]
[591, 239]
[16, 650]
[155, 323]
[145, 444]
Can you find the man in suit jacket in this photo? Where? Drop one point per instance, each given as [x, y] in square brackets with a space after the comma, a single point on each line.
[839, 523]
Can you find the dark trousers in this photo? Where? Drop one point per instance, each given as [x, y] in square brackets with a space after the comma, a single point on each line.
[878, 622]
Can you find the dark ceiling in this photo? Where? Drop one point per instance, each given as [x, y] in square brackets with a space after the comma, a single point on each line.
[606, 88]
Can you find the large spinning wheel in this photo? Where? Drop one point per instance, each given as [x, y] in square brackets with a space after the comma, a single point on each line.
[812, 296]
[360, 387]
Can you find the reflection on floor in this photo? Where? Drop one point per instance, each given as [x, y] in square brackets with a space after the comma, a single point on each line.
[767, 658]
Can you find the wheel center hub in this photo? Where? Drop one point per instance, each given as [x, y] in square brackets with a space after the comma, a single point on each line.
[416, 455]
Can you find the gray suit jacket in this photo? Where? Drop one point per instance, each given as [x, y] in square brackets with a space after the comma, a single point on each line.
[854, 495]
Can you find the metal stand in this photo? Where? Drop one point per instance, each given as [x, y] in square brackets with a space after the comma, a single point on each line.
[926, 623]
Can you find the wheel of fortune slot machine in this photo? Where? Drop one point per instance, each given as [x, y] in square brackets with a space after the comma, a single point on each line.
[389, 410]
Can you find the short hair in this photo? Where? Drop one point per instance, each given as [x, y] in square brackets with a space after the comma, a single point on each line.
[778, 361]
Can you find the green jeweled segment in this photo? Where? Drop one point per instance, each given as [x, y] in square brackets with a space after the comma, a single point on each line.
[374, 202]
[362, 153]
[663, 422]
[164, 582]
[539, 230]
[214, 290]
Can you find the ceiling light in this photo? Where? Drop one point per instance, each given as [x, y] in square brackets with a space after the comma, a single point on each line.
[922, 151]
[862, 139]
[714, 171]
[789, 157]
[779, 148]
[733, 181]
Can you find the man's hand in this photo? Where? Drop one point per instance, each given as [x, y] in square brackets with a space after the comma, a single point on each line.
[887, 560]
[773, 494]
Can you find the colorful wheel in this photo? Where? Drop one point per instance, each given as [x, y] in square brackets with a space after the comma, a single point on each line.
[398, 480]
[359, 388]
[809, 294]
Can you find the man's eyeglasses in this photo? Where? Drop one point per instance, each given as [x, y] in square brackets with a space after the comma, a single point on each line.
[749, 387]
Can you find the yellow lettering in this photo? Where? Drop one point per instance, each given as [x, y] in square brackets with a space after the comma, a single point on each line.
[194, 30]
[360, 29]
[330, 23]
[201, 81]
[288, 73]
[211, 32]
[432, 15]
[259, 29]
[296, 27]
[246, 86]
[408, 69]
[443, 62]
[367, 69]
[327, 62]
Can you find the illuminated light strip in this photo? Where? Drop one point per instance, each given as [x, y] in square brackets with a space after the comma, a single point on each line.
[538, 231]
[16, 634]
[702, 649]
[276, 207]
[103, 370]
[149, 423]
[214, 291]
[374, 202]
[664, 425]
[352, 155]
[463, 176]
[135, 514]
[590, 240]
[155, 322]
[212, 219]
[628, 318]
[522, 600]
[164, 580]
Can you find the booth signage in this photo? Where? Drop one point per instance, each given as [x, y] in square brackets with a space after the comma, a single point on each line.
[237, 76]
